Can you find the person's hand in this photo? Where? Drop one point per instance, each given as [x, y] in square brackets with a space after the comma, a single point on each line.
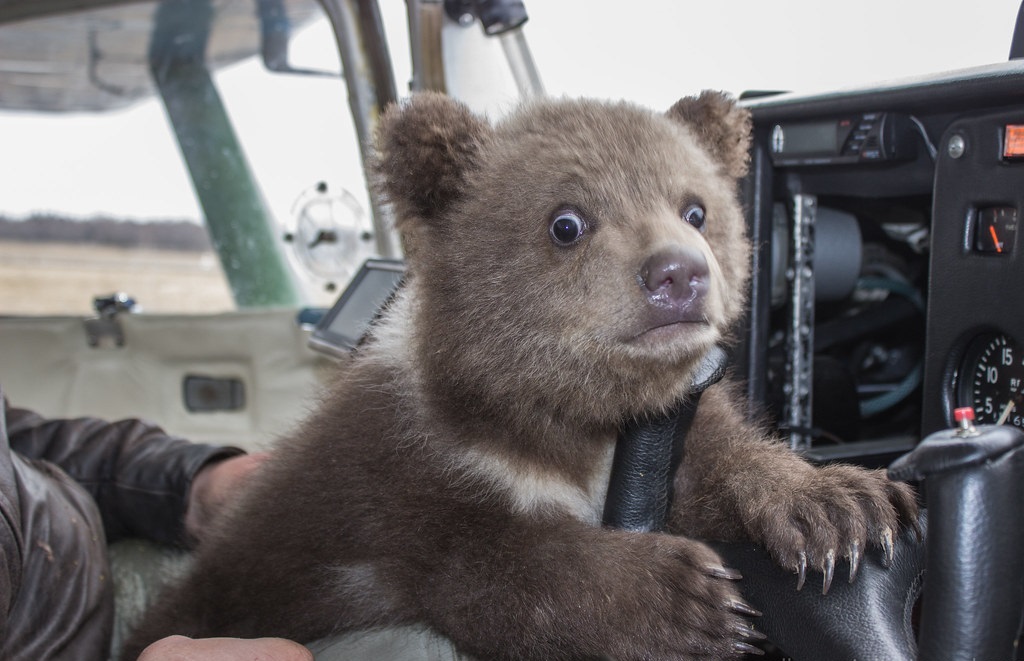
[180, 648]
[216, 485]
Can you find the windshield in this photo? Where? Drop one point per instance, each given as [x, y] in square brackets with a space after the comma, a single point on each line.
[186, 190]
[110, 171]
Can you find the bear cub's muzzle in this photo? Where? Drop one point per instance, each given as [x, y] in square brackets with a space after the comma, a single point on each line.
[676, 281]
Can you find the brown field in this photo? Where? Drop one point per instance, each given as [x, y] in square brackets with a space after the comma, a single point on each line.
[56, 278]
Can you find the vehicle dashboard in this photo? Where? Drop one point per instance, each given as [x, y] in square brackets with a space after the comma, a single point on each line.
[886, 261]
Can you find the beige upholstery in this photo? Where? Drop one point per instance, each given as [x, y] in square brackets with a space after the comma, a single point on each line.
[46, 364]
[408, 643]
[139, 569]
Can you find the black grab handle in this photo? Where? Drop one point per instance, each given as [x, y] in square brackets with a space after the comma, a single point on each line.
[974, 485]
[648, 453]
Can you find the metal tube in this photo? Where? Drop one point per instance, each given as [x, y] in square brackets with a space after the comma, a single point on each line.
[370, 83]
[520, 62]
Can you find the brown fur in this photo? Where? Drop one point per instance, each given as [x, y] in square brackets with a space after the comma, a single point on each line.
[455, 473]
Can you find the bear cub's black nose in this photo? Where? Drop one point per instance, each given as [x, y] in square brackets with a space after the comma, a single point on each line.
[675, 277]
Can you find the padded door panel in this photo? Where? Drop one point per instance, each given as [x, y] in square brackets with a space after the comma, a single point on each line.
[47, 363]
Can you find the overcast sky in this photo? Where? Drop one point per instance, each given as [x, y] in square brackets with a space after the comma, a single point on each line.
[657, 49]
[648, 51]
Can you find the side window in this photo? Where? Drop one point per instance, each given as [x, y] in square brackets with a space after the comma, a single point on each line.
[193, 178]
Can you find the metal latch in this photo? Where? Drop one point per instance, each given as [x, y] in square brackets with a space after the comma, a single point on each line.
[104, 330]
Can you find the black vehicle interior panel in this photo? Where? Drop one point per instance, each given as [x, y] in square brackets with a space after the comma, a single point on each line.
[887, 263]
[976, 315]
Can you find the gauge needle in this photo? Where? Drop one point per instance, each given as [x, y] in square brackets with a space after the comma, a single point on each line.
[1006, 412]
[995, 240]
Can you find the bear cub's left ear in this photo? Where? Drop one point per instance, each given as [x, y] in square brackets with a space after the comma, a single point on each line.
[722, 127]
[426, 146]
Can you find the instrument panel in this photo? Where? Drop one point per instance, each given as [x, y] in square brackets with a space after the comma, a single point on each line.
[976, 311]
[934, 320]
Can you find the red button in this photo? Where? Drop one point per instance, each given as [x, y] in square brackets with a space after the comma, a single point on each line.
[965, 413]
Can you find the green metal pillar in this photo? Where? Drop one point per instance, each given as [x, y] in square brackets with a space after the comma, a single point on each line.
[239, 222]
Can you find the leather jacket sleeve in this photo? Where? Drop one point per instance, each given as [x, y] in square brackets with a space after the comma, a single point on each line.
[11, 542]
[138, 475]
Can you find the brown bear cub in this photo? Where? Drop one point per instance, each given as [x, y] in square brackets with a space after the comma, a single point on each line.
[568, 267]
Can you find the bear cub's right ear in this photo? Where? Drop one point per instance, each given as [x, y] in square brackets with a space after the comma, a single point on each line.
[425, 148]
[721, 126]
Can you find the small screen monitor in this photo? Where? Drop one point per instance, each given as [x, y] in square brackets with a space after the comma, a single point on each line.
[345, 325]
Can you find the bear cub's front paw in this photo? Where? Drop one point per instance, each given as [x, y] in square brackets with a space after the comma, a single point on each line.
[679, 601]
[818, 516]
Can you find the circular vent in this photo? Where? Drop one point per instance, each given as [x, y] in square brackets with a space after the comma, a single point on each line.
[329, 234]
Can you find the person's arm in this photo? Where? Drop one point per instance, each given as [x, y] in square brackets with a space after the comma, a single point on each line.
[138, 474]
[10, 539]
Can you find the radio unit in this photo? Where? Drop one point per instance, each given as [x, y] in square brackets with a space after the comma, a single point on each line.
[862, 138]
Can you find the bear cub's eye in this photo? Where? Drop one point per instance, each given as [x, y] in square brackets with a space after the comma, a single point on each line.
[567, 227]
[694, 214]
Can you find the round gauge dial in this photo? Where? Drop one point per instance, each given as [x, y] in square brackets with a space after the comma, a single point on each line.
[991, 380]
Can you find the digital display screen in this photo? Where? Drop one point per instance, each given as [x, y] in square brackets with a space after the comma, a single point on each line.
[1013, 142]
[343, 327]
[809, 138]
